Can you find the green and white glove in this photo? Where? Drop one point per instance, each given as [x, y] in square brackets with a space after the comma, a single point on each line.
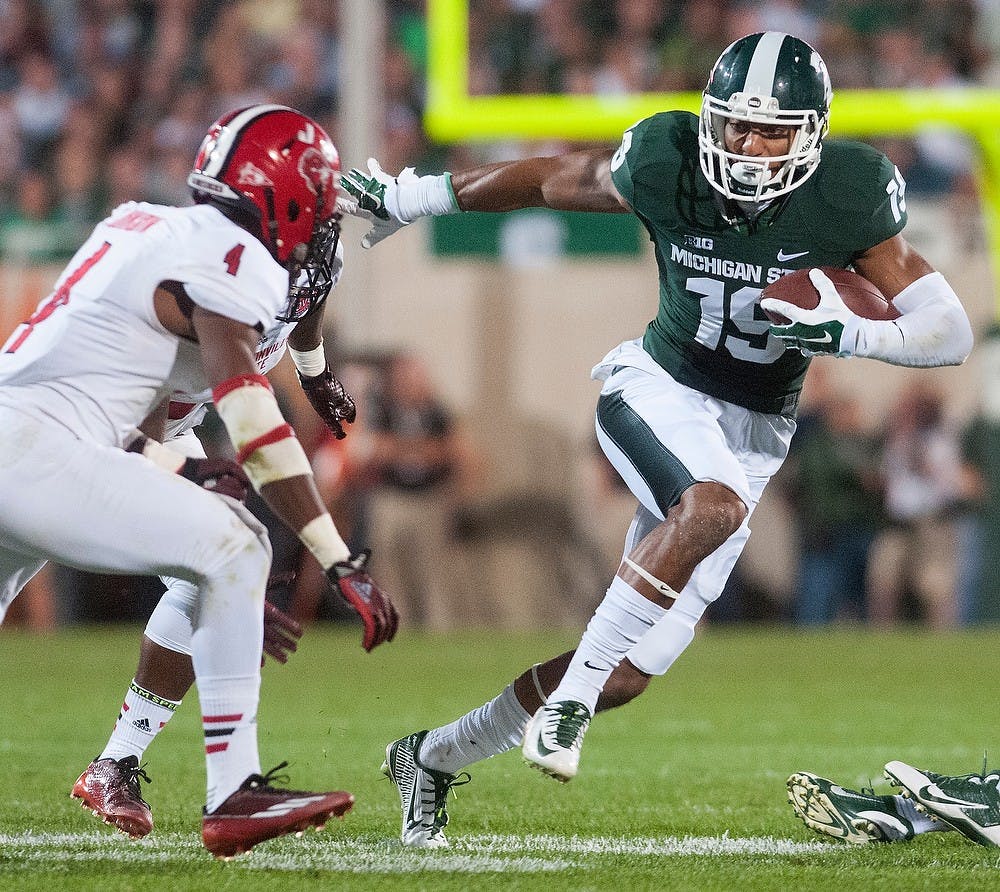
[816, 332]
[391, 202]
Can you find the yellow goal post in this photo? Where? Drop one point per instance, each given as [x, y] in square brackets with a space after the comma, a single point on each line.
[453, 115]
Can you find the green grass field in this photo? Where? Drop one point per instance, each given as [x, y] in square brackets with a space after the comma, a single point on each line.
[682, 789]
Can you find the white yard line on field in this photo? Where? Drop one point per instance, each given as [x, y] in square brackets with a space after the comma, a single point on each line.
[467, 854]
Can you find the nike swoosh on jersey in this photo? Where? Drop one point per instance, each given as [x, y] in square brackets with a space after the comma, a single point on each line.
[826, 339]
[933, 793]
[782, 256]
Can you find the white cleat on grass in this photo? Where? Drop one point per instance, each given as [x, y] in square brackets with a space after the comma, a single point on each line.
[553, 738]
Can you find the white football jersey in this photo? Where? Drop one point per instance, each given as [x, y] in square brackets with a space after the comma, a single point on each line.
[187, 410]
[94, 357]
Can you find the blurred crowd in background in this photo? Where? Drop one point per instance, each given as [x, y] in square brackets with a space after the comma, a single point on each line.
[103, 101]
[107, 100]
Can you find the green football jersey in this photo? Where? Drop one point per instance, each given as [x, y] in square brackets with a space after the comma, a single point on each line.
[710, 332]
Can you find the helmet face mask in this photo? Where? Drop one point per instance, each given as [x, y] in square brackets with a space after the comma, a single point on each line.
[310, 271]
[276, 172]
[767, 80]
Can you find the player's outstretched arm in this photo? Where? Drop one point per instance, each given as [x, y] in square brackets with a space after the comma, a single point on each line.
[273, 459]
[576, 181]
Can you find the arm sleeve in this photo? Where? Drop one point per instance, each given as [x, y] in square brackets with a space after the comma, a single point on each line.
[933, 329]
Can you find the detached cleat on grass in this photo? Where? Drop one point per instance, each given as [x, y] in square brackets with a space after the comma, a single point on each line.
[854, 817]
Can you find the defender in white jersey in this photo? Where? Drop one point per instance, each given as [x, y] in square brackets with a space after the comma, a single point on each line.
[109, 787]
[161, 300]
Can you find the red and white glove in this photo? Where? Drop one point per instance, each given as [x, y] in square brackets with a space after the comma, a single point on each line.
[365, 597]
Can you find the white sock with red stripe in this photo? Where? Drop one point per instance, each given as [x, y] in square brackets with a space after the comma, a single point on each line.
[142, 717]
[229, 721]
[227, 637]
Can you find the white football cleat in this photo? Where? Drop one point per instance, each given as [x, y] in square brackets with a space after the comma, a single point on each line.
[553, 738]
[969, 802]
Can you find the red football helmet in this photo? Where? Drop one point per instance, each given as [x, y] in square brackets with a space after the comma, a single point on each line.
[276, 171]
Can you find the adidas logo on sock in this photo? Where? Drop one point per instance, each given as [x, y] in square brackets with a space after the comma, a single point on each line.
[142, 724]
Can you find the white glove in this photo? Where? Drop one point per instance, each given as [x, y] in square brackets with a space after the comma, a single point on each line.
[375, 198]
[817, 331]
[392, 202]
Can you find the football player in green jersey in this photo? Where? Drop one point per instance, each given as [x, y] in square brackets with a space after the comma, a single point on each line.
[697, 414]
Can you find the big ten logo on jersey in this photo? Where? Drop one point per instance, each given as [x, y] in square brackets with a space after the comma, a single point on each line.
[701, 242]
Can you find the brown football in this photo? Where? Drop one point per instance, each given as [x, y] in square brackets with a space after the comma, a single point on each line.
[861, 296]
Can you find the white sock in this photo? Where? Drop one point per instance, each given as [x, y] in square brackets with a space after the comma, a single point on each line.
[657, 650]
[142, 716]
[622, 618]
[227, 636]
[229, 719]
[488, 730]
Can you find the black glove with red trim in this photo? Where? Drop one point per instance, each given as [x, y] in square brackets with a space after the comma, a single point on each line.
[218, 475]
[332, 403]
[365, 597]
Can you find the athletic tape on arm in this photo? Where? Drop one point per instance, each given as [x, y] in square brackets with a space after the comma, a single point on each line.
[934, 329]
[265, 443]
[309, 363]
[320, 536]
[157, 453]
[428, 196]
[268, 449]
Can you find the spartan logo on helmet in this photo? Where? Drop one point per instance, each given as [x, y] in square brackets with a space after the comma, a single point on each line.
[770, 79]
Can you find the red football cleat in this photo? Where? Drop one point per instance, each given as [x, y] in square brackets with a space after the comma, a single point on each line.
[110, 789]
[257, 812]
